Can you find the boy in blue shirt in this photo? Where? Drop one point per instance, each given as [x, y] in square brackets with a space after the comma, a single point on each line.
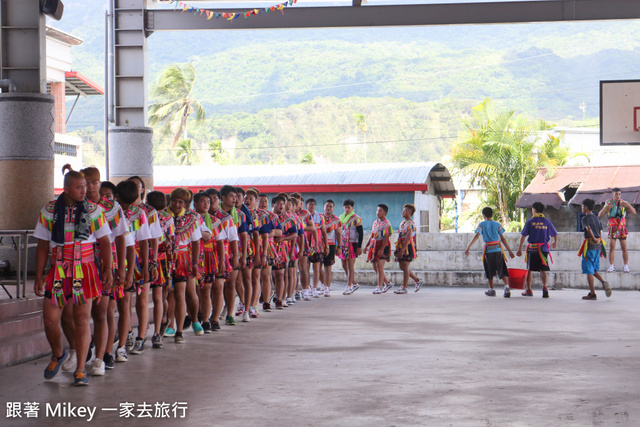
[539, 230]
[592, 249]
[493, 256]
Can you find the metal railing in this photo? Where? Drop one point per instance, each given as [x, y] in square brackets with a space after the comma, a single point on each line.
[17, 240]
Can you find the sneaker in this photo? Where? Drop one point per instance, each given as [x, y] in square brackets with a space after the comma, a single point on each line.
[206, 326]
[507, 292]
[377, 290]
[401, 290]
[590, 296]
[121, 354]
[387, 286]
[327, 292]
[490, 293]
[169, 332]
[229, 320]
[130, 341]
[178, 338]
[215, 326]
[321, 289]
[314, 293]
[298, 295]
[245, 316]
[223, 314]
[187, 322]
[288, 301]
[54, 365]
[97, 368]
[138, 347]
[305, 295]
[197, 328]
[347, 290]
[240, 309]
[528, 293]
[611, 268]
[80, 378]
[156, 341]
[545, 292]
[253, 312]
[607, 288]
[418, 285]
[284, 304]
[625, 268]
[292, 300]
[279, 305]
[109, 363]
[355, 287]
[266, 307]
[71, 362]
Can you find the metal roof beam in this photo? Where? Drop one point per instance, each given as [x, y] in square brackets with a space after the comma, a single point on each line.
[404, 15]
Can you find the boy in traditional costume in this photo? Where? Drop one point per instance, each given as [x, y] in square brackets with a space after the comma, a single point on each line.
[406, 250]
[334, 229]
[539, 230]
[352, 236]
[493, 257]
[321, 249]
[73, 224]
[186, 259]
[160, 287]
[616, 209]
[592, 249]
[378, 248]
[126, 194]
[309, 241]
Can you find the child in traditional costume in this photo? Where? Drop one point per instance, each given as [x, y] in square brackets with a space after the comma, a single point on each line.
[378, 248]
[592, 249]
[406, 251]
[352, 237]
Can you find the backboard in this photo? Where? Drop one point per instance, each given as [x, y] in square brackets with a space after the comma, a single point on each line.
[620, 112]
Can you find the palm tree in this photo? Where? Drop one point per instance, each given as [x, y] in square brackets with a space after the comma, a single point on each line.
[217, 153]
[174, 103]
[307, 159]
[186, 155]
[500, 151]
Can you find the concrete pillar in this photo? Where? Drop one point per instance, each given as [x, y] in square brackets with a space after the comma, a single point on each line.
[131, 153]
[26, 158]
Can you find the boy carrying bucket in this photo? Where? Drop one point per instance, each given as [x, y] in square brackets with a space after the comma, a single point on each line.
[493, 257]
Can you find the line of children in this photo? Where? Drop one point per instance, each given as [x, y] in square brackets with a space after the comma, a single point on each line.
[196, 262]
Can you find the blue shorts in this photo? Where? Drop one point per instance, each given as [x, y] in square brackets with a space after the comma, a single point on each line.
[591, 263]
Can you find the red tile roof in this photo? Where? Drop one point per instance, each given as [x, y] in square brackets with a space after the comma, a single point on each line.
[594, 182]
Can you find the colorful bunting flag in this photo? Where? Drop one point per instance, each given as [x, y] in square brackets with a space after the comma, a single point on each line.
[231, 16]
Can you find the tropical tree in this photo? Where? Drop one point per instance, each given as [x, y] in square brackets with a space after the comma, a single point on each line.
[174, 102]
[186, 155]
[307, 159]
[501, 151]
[218, 154]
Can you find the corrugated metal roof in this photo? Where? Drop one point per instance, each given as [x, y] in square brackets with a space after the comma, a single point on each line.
[317, 174]
[594, 182]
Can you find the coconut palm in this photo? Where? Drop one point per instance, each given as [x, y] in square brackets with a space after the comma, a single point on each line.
[501, 152]
[174, 103]
[186, 155]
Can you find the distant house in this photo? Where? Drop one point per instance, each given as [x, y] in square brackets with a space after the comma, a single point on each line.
[563, 190]
[394, 184]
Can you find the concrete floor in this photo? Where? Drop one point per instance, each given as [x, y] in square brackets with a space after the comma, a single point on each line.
[444, 356]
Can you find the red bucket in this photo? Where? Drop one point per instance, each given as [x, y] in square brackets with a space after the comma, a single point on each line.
[517, 278]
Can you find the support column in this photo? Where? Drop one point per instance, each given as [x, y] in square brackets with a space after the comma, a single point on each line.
[26, 157]
[131, 153]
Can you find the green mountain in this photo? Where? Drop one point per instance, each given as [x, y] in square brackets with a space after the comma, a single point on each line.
[299, 89]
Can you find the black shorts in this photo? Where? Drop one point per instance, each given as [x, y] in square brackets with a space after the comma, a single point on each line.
[535, 262]
[316, 257]
[330, 259]
[494, 265]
